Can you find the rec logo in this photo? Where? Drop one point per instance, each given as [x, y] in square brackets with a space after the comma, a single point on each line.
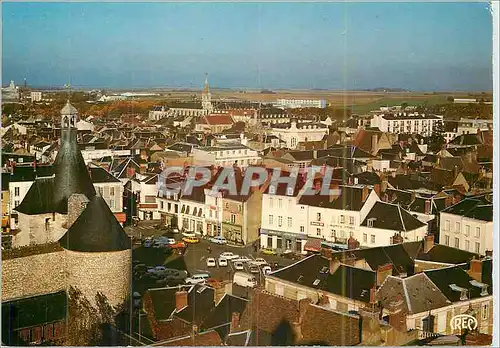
[463, 322]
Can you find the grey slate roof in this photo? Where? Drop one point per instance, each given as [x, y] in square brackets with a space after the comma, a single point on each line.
[392, 217]
[96, 230]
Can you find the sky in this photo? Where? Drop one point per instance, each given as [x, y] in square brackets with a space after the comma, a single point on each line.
[416, 46]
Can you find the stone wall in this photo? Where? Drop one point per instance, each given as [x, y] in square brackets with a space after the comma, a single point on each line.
[33, 275]
[105, 272]
[76, 205]
[33, 229]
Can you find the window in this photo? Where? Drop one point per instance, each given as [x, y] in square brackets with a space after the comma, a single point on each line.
[272, 190]
[302, 229]
[161, 204]
[227, 205]
[112, 191]
[270, 202]
[16, 203]
[457, 242]
[447, 240]
[112, 204]
[318, 216]
[478, 246]
[280, 203]
[318, 232]
[100, 190]
[485, 311]
[240, 208]
[447, 225]
[271, 220]
[233, 219]
[370, 222]
[16, 191]
[467, 245]
[467, 230]
[478, 232]
[280, 221]
[342, 219]
[289, 219]
[365, 238]
[351, 220]
[372, 239]
[457, 227]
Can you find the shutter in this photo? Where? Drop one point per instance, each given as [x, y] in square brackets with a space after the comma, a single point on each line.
[441, 328]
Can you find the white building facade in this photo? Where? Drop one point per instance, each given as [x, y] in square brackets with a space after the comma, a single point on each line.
[294, 133]
[406, 123]
[301, 103]
[239, 155]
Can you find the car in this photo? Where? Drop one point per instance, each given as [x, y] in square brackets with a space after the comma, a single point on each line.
[266, 270]
[177, 276]
[191, 240]
[171, 241]
[238, 266]
[222, 262]
[157, 270]
[148, 243]
[177, 245]
[259, 262]
[242, 259]
[228, 255]
[218, 240]
[211, 262]
[175, 230]
[269, 251]
[254, 269]
[189, 234]
[160, 244]
[197, 278]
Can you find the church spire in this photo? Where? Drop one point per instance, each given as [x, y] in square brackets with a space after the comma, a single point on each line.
[206, 88]
[206, 98]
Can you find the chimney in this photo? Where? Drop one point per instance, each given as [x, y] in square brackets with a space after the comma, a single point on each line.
[489, 253]
[397, 239]
[428, 242]
[374, 143]
[77, 203]
[448, 201]
[376, 187]
[235, 322]
[352, 243]
[326, 253]
[334, 265]
[364, 194]
[476, 269]
[373, 294]
[427, 206]
[383, 272]
[181, 300]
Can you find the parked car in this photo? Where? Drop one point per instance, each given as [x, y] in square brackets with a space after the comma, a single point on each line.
[211, 262]
[175, 230]
[148, 243]
[197, 278]
[222, 262]
[266, 270]
[244, 279]
[238, 266]
[176, 276]
[189, 234]
[242, 259]
[254, 269]
[218, 240]
[229, 255]
[157, 270]
[177, 245]
[171, 241]
[191, 240]
[259, 262]
[269, 251]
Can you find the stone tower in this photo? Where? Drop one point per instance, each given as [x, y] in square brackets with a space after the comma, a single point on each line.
[206, 97]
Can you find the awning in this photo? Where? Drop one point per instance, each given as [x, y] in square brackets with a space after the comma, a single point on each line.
[313, 244]
[121, 217]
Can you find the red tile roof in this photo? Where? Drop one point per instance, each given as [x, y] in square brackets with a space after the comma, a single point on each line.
[215, 119]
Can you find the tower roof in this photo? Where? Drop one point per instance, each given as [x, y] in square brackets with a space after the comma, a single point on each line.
[206, 88]
[68, 109]
[71, 173]
[39, 199]
[96, 230]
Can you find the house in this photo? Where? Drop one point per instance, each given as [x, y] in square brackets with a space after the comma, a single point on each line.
[468, 225]
[214, 123]
[191, 216]
[225, 155]
[373, 141]
[384, 220]
[406, 123]
[147, 206]
[295, 132]
[336, 217]
[110, 188]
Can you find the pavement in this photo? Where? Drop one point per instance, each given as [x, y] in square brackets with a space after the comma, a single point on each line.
[195, 256]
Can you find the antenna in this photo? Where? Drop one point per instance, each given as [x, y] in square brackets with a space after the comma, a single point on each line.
[67, 87]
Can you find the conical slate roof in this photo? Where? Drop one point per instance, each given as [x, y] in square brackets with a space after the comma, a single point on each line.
[96, 230]
[71, 174]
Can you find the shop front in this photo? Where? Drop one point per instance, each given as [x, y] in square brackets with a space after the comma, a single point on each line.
[233, 233]
[282, 241]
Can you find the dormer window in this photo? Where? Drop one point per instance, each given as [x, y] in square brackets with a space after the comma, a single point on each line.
[371, 221]
[272, 190]
[289, 191]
